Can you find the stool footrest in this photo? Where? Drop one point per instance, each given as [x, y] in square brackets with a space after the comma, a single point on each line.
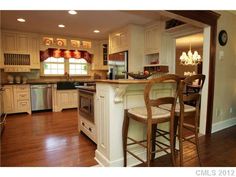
[135, 156]
[136, 142]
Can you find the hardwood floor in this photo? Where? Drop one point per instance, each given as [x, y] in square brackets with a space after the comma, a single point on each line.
[51, 139]
[45, 139]
[219, 150]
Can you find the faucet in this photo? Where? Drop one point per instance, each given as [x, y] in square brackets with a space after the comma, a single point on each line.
[67, 76]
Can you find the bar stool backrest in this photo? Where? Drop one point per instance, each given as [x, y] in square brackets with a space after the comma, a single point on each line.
[196, 97]
[163, 100]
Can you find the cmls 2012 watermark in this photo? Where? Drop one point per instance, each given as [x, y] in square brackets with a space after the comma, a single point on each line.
[216, 172]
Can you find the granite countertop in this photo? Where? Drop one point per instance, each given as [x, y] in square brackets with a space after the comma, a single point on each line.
[126, 81]
[123, 81]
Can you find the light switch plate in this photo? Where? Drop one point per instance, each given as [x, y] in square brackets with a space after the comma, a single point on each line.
[221, 55]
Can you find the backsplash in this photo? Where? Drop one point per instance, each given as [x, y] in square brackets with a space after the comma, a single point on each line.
[34, 76]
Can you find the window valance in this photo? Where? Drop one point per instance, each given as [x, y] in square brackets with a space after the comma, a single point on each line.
[64, 53]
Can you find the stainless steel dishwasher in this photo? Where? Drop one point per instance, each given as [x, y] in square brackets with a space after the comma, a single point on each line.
[41, 97]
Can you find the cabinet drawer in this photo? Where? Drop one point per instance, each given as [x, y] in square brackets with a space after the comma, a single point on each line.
[22, 88]
[89, 129]
[22, 96]
[22, 105]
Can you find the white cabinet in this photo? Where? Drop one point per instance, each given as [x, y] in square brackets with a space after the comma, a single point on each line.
[152, 39]
[8, 99]
[131, 39]
[17, 99]
[15, 43]
[100, 51]
[88, 128]
[9, 43]
[64, 99]
[34, 53]
[21, 43]
[119, 41]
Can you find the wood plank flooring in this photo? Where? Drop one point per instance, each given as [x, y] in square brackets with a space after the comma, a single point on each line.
[45, 139]
[51, 139]
[218, 150]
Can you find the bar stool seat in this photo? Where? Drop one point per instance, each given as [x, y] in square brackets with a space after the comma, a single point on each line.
[157, 113]
[187, 108]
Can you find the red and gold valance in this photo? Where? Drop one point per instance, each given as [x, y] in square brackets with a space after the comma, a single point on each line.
[63, 53]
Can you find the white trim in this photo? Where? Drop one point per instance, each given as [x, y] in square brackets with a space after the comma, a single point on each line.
[223, 124]
[205, 70]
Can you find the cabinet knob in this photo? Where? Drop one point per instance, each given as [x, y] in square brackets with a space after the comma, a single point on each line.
[82, 123]
[90, 129]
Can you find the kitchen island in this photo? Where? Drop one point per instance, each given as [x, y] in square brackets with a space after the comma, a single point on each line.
[112, 97]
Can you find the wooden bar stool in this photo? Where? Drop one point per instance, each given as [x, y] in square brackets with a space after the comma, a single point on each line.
[151, 115]
[183, 111]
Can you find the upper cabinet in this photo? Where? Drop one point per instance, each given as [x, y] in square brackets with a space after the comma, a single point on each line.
[119, 41]
[129, 38]
[20, 50]
[15, 43]
[34, 52]
[100, 55]
[152, 39]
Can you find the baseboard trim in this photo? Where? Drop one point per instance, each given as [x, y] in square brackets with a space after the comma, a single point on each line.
[223, 124]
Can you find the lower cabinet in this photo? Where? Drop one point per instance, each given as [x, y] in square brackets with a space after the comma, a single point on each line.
[88, 128]
[16, 99]
[64, 99]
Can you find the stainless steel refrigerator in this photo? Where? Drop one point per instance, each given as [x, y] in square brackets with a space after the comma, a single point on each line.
[118, 65]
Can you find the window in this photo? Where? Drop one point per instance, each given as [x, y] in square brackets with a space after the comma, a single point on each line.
[54, 66]
[78, 67]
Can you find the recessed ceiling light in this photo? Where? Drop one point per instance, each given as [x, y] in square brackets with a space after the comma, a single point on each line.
[20, 20]
[61, 26]
[72, 12]
[96, 31]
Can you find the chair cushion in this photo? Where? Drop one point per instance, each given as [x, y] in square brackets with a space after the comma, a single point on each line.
[157, 113]
[187, 108]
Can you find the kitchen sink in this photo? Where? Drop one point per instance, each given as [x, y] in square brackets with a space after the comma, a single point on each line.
[67, 85]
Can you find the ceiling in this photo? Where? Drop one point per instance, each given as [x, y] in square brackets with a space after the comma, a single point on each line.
[80, 25]
[196, 41]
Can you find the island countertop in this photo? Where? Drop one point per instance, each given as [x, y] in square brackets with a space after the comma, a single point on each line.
[126, 81]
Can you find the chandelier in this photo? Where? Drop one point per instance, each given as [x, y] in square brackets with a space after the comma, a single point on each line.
[190, 58]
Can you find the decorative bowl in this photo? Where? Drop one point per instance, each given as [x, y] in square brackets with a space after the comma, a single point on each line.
[139, 75]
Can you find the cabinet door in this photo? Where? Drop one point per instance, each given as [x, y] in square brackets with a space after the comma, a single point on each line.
[63, 99]
[152, 40]
[114, 43]
[22, 43]
[8, 99]
[73, 99]
[34, 53]
[9, 43]
[124, 40]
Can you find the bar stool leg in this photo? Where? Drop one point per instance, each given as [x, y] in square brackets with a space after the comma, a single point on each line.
[197, 141]
[154, 129]
[172, 141]
[181, 141]
[125, 134]
[149, 136]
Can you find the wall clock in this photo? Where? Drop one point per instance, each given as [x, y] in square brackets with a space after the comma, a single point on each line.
[223, 37]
